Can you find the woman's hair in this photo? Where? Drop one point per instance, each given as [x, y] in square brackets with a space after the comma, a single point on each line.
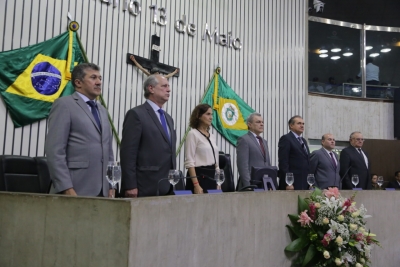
[198, 111]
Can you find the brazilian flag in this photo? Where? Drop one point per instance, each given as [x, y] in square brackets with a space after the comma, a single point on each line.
[32, 77]
[229, 110]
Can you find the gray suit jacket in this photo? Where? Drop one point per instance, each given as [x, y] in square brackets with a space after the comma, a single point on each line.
[325, 173]
[77, 151]
[249, 154]
[147, 155]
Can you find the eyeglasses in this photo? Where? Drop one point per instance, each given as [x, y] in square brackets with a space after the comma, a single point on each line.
[359, 139]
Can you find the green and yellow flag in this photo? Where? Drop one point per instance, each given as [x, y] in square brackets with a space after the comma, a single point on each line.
[229, 110]
[32, 77]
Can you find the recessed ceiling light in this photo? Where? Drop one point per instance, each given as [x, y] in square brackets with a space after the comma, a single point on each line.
[336, 50]
[385, 50]
[323, 50]
[347, 54]
[323, 55]
[374, 55]
[335, 57]
[368, 47]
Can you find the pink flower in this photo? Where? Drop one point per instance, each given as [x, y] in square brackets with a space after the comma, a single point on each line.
[325, 241]
[312, 210]
[304, 219]
[331, 192]
[347, 203]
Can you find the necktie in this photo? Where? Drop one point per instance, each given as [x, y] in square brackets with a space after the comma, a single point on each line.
[93, 107]
[163, 122]
[362, 155]
[261, 145]
[302, 144]
[333, 160]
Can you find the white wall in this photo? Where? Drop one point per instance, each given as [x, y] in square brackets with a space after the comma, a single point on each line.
[344, 116]
[268, 72]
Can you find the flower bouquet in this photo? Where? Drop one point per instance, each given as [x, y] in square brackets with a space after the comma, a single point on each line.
[330, 231]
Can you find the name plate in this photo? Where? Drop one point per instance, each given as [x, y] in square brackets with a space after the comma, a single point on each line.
[259, 190]
[214, 191]
[182, 192]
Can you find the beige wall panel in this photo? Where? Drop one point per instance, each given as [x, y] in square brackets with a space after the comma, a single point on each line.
[342, 117]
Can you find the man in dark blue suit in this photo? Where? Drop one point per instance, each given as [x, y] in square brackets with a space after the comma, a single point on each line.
[293, 156]
[354, 160]
[395, 184]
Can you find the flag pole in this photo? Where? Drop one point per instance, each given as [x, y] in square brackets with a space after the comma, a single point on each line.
[216, 72]
[73, 27]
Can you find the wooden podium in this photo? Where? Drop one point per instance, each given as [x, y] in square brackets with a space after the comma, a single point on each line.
[230, 229]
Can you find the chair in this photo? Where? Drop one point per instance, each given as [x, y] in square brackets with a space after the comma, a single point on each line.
[19, 174]
[44, 174]
[225, 164]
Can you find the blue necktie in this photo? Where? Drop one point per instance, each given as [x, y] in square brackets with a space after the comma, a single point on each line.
[93, 107]
[164, 123]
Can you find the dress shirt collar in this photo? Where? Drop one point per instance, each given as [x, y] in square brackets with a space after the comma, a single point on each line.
[255, 136]
[153, 105]
[85, 98]
[295, 135]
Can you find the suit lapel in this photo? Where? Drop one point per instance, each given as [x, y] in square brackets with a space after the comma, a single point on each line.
[85, 108]
[298, 144]
[157, 122]
[256, 143]
[328, 157]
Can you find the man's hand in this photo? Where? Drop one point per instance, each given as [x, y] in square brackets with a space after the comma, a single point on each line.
[131, 192]
[111, 193]
[291, 187]
[70, 192]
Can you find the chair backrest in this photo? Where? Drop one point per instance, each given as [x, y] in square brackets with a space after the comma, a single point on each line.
[19, 174]
[257, 174]
[225, 164]
[44, 174]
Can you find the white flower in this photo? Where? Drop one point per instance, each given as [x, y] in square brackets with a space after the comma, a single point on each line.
[339, 241]
[326, 255]
[358, 265]
[340, 218]
[338, 262]
[362, 260]
[317, 205]
[355, 214]
[353, 226]
[325, 221]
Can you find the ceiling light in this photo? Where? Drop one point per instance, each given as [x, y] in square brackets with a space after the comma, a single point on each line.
[368, 47]
[347, 54]
[323, 50]
[336, 50]
[374, 55]
[335, 57]
[385, 50]
[323, 55]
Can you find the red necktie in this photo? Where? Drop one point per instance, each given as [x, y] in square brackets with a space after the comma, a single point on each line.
[261, 144]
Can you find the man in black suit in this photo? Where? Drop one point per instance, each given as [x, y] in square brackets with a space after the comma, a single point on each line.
[395, 184]
[148, 142]
[293, 156]
[353, 160]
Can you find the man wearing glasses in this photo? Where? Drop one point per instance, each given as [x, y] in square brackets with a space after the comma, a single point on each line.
[354, 161]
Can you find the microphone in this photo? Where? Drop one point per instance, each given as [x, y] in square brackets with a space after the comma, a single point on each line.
[341, 179]
[180, 178]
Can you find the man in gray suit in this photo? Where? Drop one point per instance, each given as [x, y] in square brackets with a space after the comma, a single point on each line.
[324, 164]
[148, 143]
[79, 140]
[252, 149]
